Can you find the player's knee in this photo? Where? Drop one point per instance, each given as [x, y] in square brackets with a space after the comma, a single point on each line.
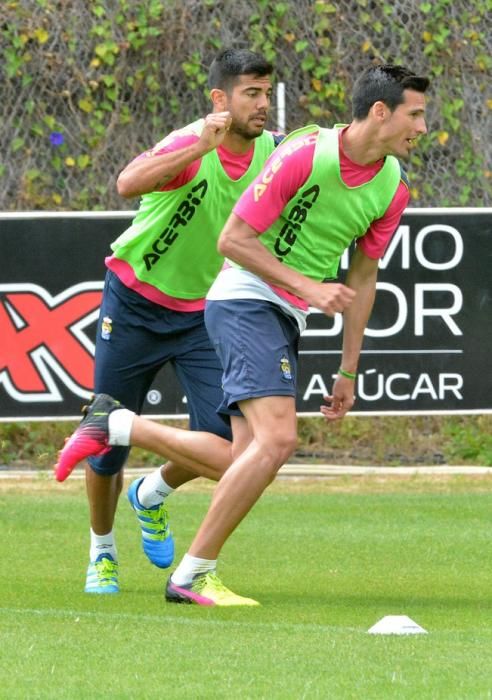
[288, 446]
[280, 446]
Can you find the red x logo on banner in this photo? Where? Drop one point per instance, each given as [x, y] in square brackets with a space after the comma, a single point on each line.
[41, 336]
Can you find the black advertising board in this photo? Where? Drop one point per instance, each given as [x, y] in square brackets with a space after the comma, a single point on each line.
[426, 349]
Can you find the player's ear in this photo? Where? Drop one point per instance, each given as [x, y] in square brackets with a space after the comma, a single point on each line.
[379, 110]
[219, 99]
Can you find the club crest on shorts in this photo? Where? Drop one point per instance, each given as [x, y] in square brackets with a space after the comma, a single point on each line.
[106, 328]
[285, 367]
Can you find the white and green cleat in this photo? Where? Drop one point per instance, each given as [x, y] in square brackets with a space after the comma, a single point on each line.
[102, 575]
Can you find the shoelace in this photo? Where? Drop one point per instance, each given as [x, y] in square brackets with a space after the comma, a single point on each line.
[159, 517]
[212, 579]
[106, 568]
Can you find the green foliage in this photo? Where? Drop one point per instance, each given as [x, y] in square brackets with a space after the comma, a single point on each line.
[470, 441]
[365, 440]
[398, 440]
[113, 78]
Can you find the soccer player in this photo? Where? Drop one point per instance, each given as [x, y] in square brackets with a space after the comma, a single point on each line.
[152, 310]
[319, 192]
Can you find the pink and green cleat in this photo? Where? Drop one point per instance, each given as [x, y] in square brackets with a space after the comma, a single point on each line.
[205, 589]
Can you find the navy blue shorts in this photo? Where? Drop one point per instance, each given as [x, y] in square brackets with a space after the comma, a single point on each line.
[258, 346]
[142, 338]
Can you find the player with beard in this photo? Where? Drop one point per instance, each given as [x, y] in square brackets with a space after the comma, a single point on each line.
[322, 190]
[152, 310]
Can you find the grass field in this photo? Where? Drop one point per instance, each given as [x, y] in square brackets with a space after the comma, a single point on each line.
[327, 559]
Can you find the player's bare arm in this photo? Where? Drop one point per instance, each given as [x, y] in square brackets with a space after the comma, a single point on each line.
[361, 277]
[150, 173]
[239, 242]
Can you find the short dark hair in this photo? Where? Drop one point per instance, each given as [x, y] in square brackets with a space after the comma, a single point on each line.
[384, 83]
[232, 63]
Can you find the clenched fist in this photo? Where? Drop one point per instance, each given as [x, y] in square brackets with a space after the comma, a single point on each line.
[214, 130]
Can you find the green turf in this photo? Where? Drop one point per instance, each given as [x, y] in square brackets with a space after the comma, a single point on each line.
[326, 564]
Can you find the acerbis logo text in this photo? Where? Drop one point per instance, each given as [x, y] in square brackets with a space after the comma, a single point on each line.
[277, 160]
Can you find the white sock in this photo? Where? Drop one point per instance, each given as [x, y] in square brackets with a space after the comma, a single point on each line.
[102, 544]
[190, 566]
[120, 426]
[153, 490]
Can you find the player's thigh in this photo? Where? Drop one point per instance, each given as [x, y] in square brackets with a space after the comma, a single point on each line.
[271, 418]
[128, 350]
[258, 348]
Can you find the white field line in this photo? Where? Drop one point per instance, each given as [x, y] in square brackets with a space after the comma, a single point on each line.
[75, 616]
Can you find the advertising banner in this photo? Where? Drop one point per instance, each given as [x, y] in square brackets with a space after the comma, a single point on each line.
[426, 348]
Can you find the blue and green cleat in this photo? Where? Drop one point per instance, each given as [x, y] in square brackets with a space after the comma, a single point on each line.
[157, 540]
[102, 575]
